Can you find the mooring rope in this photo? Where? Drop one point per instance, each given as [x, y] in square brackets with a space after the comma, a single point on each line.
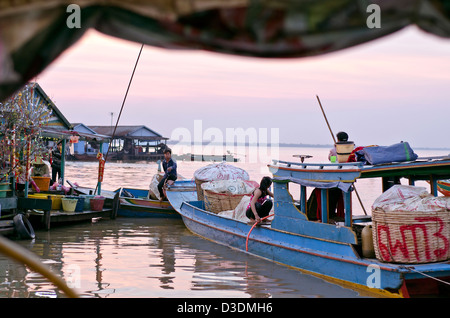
[426, 275]
[121, 108]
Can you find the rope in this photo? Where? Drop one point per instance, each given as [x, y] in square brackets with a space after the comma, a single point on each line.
[121, 108]
[124, 99]
[256, 223]
[437, 279]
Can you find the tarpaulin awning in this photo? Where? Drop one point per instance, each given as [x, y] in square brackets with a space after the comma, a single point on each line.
[33, 33]
[55, 133]
[344, 186]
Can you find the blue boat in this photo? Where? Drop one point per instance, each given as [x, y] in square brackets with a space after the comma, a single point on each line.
[320, 247]
[136, 203]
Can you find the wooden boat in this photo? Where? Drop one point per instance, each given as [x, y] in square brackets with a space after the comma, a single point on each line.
[332, 251]
[135, 202]
[90, 191]
[444, 187]
[45, 217]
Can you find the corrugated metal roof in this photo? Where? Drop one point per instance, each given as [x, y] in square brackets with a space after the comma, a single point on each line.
[133, 131]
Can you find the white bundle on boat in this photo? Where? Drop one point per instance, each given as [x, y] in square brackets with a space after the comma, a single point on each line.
[153, 192]
[230, 186]
[411, 226]
[215, 172]
[220, 171]
[411, 199]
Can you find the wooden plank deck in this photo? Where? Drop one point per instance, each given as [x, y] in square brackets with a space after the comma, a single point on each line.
[46, 218]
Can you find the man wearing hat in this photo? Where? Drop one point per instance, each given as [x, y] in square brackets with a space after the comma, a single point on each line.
[40, 167]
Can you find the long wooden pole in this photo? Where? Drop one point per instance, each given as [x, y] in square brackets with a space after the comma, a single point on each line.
[121, 109]
[325, 116]
[334, 139]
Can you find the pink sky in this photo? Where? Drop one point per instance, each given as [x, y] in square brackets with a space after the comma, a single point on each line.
[392, 89]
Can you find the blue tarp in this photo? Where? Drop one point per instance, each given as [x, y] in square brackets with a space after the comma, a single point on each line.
[386, 154]
[344, 186]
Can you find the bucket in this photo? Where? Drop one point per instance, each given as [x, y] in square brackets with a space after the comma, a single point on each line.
[69, 204]
[80, 203]
[87, 201]
[4, 189]
[97, 203]
[56, 199]
[344, 150]
[43, 183]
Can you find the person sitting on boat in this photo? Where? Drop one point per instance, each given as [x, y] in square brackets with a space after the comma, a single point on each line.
[260, 206]
[170, 172]
[40, 167]
[341, 136]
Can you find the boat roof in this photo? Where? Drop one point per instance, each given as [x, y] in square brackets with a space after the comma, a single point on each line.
[420, 169]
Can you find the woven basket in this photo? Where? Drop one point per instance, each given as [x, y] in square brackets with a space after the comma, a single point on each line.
[198, 187]
[411, 237]
[218, 202]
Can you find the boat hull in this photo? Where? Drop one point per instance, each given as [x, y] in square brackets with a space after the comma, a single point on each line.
[148, 208]
[444, 187]
[319, 257]
[133, 207]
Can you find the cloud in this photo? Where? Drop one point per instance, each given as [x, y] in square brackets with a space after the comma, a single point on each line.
[392, 88]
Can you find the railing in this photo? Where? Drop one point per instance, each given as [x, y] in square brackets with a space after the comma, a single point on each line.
[320, 165]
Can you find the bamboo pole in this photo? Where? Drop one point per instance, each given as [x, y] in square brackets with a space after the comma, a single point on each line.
[334, 139]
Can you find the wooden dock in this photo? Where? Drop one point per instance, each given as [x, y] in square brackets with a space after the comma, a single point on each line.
[46, 217]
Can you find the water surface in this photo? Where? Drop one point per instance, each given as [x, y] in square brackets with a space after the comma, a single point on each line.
[130, 257]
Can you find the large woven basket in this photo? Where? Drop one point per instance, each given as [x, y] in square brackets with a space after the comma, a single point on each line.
[218, 202]
[198, 187]
[411, 237]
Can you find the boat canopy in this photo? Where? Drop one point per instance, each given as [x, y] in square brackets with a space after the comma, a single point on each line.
[344, 186]
[34, 33]
[54, 133]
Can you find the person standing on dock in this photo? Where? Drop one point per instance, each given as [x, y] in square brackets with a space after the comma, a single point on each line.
[56, 162]
[170, 173]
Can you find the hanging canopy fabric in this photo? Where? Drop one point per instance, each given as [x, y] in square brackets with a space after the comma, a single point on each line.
[34, 33]
[344, 186]
[54, 133]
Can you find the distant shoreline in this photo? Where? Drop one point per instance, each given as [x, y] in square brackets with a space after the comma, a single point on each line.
[287, 145]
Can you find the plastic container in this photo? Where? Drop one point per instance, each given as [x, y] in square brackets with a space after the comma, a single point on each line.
[97, 203]
[4, 189]
[69, 204]
[80, 203]
[43, 183]
[368, 249]
[56, 199]
[87, 201]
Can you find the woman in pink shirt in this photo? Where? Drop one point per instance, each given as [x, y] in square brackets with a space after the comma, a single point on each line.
[260, 205]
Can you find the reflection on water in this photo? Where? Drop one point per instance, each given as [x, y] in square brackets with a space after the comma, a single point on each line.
[153, 258]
